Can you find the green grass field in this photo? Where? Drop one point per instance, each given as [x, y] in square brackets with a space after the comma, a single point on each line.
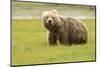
[29, 44]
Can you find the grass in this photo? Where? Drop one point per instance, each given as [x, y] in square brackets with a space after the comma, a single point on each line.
[29, 44]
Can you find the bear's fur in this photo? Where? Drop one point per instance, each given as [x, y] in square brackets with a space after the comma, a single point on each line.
[67, 31]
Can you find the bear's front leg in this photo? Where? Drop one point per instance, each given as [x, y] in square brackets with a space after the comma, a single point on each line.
[52, 38]
[63, 38]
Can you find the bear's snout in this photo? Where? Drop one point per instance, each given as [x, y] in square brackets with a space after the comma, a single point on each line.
[50, 22]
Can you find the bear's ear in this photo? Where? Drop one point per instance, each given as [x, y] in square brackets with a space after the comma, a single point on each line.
[54, 11]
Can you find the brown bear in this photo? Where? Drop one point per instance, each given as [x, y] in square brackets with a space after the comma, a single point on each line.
[65, 30]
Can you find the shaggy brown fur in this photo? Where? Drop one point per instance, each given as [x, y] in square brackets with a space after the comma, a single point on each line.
[67, 31]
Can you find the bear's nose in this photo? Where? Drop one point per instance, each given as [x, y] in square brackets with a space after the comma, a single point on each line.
[49, 21]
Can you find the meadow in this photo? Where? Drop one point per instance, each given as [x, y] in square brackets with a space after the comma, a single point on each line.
[30, 46]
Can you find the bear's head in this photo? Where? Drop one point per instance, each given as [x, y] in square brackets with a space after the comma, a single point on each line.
[51, 19]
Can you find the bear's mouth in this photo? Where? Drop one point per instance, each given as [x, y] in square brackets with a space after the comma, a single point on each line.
[50, 22]
[50, 26]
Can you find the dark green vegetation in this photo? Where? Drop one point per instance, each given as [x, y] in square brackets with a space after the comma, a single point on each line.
[36, 9]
